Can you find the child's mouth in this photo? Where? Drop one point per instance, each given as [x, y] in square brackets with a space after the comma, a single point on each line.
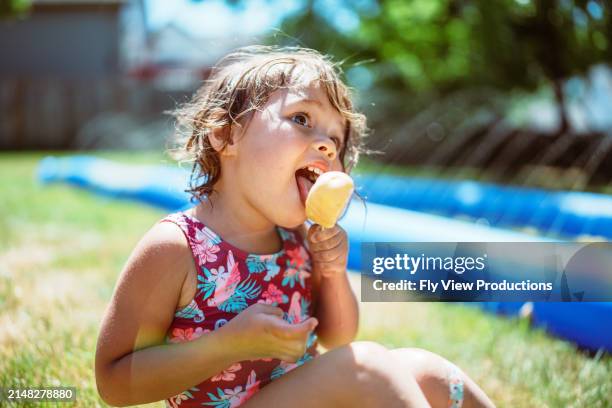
[305, 178]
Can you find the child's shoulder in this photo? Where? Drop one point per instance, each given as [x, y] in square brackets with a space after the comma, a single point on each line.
[162, 254]
[167, 236]
[164, 236]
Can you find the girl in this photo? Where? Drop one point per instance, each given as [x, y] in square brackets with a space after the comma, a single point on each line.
[223, 305]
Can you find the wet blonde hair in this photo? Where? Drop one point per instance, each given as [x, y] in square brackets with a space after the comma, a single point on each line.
[241, 83]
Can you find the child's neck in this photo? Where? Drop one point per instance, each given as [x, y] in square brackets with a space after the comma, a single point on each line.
[237, 227]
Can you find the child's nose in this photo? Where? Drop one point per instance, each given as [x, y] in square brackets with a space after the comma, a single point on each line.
[327, 147]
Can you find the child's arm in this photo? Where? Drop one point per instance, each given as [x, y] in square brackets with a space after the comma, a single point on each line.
[135, 366]
[336, 307]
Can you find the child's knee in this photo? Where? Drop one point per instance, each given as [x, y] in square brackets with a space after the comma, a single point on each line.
[373, 370]
[423, 364]
[440, 380]
[361, 360]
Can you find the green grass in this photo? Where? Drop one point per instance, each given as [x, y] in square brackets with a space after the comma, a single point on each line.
[61, 250]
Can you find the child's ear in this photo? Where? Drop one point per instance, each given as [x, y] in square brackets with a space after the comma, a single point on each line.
[223, 140]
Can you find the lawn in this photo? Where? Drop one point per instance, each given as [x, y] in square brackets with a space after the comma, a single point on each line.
[61, 250]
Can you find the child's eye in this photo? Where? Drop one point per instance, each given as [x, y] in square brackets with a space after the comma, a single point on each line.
[301, 119]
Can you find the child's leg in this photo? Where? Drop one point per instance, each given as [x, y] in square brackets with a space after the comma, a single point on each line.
[362, 374]
[440, 380]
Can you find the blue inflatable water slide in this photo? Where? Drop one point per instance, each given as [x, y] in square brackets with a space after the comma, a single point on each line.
[396, 211]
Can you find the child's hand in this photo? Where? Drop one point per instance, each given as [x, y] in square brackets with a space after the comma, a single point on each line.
[259, 331]
[329, 249]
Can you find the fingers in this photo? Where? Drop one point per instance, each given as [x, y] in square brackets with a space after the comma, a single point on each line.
[299, 330]
[316, 233]
[292, 351]
[269, 309]
[295, 331]
[323, 253]
[310, 324]
[269, 334]
[333, 241]
[310, 235]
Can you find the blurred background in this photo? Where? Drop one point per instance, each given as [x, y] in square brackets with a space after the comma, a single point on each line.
[516, 91]
[510, 94]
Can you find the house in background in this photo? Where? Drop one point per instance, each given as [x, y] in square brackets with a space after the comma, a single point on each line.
[56, 66]
[86, 74]
[62, 39]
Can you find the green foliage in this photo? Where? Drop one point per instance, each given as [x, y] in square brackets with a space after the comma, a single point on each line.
[421, 51]
[10, 8]
[445, 45]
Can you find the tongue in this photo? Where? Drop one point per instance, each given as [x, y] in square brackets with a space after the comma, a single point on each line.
[304, 186]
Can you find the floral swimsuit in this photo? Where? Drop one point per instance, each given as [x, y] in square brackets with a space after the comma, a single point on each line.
[228, 281]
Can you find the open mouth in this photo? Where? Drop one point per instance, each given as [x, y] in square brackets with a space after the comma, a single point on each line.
[305, 178]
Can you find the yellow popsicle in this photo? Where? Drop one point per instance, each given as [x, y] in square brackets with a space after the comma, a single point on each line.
[328, 197]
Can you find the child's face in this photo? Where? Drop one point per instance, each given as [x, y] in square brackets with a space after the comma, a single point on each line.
[295, 129]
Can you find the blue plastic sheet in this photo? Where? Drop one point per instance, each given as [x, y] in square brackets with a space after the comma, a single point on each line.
[587, 324]
[558, 213]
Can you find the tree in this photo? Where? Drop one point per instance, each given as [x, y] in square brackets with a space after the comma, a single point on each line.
[439, 47]
[10, 8]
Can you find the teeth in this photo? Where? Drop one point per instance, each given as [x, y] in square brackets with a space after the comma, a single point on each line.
[315, 170]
